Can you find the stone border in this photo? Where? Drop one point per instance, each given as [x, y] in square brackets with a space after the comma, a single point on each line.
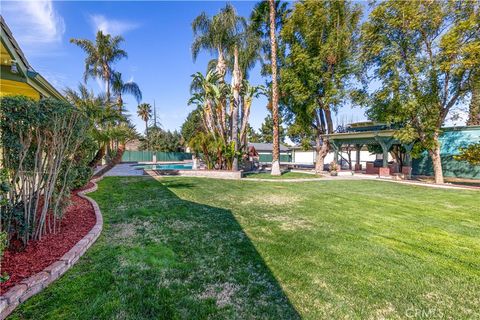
[36, 283]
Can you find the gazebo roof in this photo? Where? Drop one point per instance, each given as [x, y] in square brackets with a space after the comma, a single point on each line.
[367, 132]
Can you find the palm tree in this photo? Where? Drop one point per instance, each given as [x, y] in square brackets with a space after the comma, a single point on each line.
[120, 87]
[144, 111]
[215, 34]
[208, 92]
[274, 101]
[249, 92]
[100, 114]
[101, 54]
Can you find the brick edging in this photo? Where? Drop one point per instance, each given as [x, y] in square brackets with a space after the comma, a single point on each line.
[36, 283]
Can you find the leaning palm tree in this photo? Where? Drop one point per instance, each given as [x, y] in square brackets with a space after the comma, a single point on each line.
[144, 111]
[120, 87]
[274, 98]
[101, 54]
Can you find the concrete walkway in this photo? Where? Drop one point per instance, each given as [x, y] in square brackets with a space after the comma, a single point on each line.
[128, 170]
[124, 170]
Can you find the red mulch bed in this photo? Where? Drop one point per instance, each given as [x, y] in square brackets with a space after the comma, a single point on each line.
[78, 220]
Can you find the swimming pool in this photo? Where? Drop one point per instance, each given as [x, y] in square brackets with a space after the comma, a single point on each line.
[173, 166]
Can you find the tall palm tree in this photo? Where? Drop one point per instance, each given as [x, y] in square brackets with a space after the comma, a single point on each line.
[144, 111]
[215, 34]
[101, 54]
[120, 87]
[274, 101]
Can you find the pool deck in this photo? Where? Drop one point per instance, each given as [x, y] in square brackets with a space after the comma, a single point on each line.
[124, 170]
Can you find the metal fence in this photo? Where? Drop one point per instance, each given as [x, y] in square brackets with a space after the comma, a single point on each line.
[147, 156]
[267, 157]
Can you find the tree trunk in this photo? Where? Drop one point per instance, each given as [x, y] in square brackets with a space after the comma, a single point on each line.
[474, 109]
[236, 82]
[321, 152]
[120, 103]
[243, 131]
[118, 155]
[146, 133]
[437, 161]
[221, 65]
[276, 141]
[98, 157]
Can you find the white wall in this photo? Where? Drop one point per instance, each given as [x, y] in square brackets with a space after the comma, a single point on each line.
[308, 157]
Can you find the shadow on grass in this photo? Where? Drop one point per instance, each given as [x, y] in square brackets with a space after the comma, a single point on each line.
[163, 257]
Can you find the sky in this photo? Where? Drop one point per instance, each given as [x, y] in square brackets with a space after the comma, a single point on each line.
[158, 36]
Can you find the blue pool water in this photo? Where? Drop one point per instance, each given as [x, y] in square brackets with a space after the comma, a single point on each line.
[173, 166]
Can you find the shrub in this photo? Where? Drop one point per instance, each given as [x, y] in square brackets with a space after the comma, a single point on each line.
[39, 142]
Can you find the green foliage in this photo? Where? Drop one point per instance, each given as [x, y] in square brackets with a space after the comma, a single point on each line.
[260, 24]
[318, 69]
[424, 64]
[252, 135]
[3, 245]
[144, 111]
[266, 130]
[100, 55]
[39, 145]
[192, 125]
[471, 154]
[161, 140]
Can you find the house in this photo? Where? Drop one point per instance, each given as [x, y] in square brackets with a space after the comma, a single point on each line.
[264, 151]
[17, 77]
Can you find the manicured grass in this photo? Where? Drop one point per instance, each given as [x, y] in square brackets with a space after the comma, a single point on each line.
[195, 248]
[285, 175]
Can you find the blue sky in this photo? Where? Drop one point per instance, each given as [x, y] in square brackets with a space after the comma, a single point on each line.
[157, 36]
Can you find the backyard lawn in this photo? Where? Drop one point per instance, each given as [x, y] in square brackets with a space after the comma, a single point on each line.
[190, 248]
[285, 175]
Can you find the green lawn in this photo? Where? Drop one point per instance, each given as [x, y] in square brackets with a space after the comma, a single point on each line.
[285, 175]
[190, 248]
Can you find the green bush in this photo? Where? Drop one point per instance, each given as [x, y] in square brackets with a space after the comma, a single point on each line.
[42, 153]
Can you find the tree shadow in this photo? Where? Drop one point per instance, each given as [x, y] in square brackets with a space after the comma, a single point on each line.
[163, 257]
[208, 265]
[224, 264]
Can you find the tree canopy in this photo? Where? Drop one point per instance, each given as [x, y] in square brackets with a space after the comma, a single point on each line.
[424, 54]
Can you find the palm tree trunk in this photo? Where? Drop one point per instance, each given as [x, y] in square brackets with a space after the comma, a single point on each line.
[236, 106]
[146, 132]
[276, 141]
[243, 130]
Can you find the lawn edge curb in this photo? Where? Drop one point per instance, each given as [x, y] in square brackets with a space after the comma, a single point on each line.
[34, 284]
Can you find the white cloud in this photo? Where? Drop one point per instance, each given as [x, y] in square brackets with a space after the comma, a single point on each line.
[34, 22]
[111, 26]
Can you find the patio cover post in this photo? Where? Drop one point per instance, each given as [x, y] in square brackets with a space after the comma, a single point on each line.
[333, 143]
[385, 144]
[358, 147]
[408, 150]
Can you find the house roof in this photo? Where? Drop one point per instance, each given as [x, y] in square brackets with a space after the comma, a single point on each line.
[26, 73]
[267, 147]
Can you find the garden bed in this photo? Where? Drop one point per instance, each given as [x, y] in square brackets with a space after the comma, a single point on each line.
[78, 220]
